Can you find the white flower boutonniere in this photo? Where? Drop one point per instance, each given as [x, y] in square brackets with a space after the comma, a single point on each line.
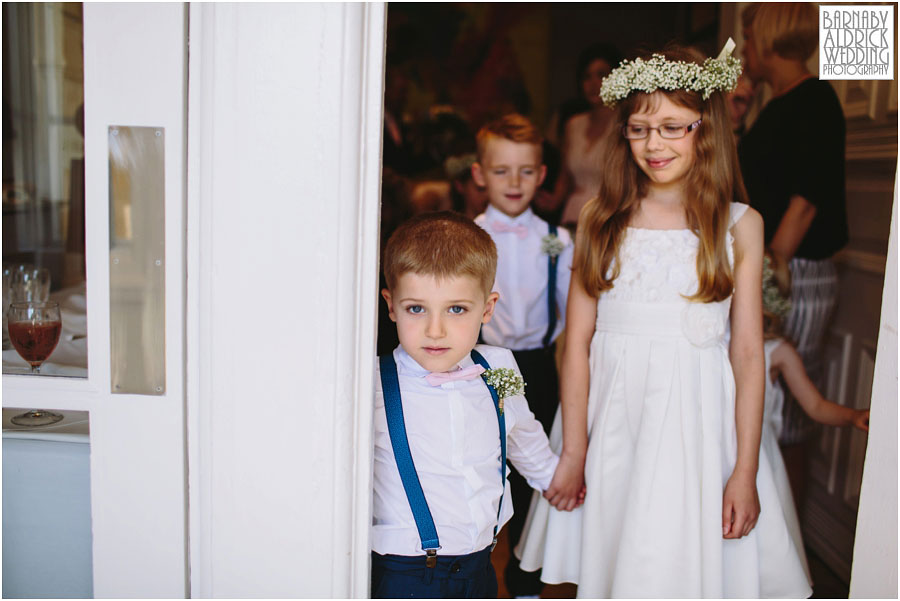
[551, 245]
[505, 381]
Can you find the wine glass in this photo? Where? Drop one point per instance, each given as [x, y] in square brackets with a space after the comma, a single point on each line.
[30, 283]
[34, 329]
[7, 299]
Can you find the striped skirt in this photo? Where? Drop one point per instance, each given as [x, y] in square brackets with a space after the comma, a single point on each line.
[814, 290]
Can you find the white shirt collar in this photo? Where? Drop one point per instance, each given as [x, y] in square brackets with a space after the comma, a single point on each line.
[408, 365]
[493, 214]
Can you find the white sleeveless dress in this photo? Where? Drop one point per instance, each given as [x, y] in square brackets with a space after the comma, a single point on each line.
[662, 444]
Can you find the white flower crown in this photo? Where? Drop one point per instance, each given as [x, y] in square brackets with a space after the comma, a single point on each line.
[714, 75]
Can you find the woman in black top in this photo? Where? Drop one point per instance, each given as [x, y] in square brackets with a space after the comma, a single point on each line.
[792, 161]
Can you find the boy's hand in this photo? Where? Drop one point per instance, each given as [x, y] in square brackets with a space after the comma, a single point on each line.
[861, 420]
[740, 506]
[567, 485]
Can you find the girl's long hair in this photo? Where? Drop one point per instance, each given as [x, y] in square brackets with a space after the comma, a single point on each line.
[713, 182]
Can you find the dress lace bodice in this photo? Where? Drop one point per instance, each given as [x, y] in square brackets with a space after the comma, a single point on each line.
[657, 275]
[658, 266]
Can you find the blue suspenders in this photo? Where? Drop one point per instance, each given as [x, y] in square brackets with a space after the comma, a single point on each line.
[393, 408]
[551, 294]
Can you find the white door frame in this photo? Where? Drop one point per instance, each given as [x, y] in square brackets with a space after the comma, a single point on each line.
[874, 574]
[284, 139]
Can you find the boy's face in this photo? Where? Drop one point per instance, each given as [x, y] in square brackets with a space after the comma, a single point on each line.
[511, 172]
[438, 320]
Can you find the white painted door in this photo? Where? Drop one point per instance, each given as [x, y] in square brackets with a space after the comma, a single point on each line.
[265, 408]
[135, 57]
[134, 76]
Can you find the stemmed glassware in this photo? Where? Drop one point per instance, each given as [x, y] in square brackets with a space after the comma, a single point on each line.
[34, 329]
[30, 283]
[7, 299]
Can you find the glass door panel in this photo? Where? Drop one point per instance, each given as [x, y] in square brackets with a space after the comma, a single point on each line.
[43, 181]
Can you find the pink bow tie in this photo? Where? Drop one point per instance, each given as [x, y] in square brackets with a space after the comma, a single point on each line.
[469, 373]
[519, 230]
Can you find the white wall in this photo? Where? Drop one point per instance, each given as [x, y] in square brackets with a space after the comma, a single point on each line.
[875, 550]
[283, 183]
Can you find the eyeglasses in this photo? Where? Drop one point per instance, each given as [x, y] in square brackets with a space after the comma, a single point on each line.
[669, 131]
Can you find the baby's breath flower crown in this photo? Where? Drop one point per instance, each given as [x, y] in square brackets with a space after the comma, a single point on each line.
[714, 75]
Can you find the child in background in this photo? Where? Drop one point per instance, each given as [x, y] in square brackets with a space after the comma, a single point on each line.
[442, 433]
[661, 413]
[783, 362]
[533, 268]
[466, 197]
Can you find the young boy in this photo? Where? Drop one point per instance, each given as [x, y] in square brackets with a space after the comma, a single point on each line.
[533, 272]
[441, 437]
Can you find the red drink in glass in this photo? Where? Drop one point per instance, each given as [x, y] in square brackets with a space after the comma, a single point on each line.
[34, 330]
[34, 340]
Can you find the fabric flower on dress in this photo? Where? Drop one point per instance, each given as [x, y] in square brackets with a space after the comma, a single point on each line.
[551, 245]
[703, 324]
[505, 381]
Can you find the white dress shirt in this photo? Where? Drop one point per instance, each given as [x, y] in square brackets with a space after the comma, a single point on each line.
[454, 440]
[521, 316]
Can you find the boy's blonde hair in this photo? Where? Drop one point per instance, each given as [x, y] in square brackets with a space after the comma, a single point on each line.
[789, 29]
[442, 244]
[512, 127]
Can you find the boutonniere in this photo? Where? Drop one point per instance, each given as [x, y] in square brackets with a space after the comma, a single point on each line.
[551, 245]
[505, 381]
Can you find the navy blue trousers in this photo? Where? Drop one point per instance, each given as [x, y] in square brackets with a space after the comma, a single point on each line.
[454, 577]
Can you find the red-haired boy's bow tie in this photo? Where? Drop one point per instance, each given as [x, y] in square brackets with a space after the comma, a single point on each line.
[519, 230]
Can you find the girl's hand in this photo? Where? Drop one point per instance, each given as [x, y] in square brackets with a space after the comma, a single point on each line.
[580, 500]
[740, 506]
[861, 420]
[566, 488]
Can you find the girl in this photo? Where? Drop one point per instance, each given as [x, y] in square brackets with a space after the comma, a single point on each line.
[660, 416]
[783, 360]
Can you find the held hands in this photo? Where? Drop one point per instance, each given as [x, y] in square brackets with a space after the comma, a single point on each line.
[567, 488]
[740, 505]
[861, 420]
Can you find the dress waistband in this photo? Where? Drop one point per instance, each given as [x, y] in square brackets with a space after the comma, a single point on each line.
[657, 319]
[701, 323]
